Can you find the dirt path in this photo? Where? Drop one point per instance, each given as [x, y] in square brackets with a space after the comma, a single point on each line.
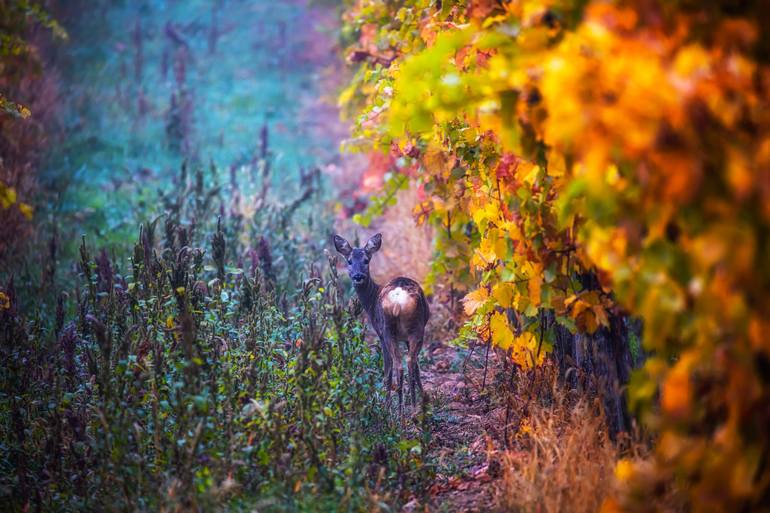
[464, 433]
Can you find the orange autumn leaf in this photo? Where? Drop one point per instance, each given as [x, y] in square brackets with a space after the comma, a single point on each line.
[676, 393]
[437, 162]
[475, 300]
[535, 284]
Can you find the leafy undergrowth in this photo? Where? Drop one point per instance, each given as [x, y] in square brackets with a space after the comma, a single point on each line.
[175, 381]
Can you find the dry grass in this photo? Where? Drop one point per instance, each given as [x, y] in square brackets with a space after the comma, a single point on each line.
[407, 248]
[562, 460]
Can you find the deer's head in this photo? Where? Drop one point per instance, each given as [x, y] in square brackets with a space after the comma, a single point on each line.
[358, 258]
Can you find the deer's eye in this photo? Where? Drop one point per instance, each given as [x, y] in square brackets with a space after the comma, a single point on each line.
[350, 262]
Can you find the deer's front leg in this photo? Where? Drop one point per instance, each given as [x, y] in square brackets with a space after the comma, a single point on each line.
[387, 360]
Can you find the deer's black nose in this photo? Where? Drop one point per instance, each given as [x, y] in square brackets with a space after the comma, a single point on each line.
[358, 278]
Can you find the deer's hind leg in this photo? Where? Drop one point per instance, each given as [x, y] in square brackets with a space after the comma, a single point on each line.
[413, 361]
[390, 337]
[398, 369]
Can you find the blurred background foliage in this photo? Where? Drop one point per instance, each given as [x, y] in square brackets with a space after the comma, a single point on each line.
[149, 84]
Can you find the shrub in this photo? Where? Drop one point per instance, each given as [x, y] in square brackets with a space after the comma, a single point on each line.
[175, 381]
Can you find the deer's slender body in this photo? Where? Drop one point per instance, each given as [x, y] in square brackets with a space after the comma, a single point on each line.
[398, 312]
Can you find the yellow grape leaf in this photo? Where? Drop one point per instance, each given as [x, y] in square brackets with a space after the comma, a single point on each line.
[525, 351]
[607, 247]
[502, 336]
[439, 205]
[477, 262]
[591, 323]
[556, 163]
[500, 244]
[489, 212]
[535, 284]
[581, 312]
[485, 254]
[514, 233]
[503, 294]
[475, 300]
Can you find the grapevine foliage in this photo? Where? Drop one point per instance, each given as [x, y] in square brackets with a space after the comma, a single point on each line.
[629, 140]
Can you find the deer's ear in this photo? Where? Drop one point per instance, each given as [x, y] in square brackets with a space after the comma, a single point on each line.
[373, 244]
[342, 246]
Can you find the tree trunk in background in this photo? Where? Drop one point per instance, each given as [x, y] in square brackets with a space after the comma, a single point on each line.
[600, 363]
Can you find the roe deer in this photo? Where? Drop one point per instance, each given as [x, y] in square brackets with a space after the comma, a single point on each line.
[398, 312]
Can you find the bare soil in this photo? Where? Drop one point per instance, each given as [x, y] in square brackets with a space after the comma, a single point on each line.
[465, 432]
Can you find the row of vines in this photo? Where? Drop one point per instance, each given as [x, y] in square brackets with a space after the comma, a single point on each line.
[628, 142]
